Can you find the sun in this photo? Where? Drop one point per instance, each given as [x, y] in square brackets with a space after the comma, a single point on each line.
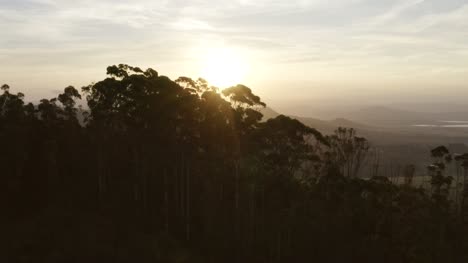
[223, 67]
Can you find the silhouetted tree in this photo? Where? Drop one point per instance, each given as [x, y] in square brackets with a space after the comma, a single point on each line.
[348, 150]
[180, 171]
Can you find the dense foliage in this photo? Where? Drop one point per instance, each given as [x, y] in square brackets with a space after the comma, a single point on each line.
[157, 170]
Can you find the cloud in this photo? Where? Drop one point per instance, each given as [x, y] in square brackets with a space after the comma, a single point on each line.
[298, 38]
[191, 24]
[394, 12]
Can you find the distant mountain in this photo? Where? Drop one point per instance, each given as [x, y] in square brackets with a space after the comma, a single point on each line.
[268, 113]
[451, 116]
[383, 116]
[328, 127]
[342, 122]
[390, 117]
[324, 126]
[387, 126]
[391, 132]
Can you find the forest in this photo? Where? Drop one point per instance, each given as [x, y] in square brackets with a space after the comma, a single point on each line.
[141, 168]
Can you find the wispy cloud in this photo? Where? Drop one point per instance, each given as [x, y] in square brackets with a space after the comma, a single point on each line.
[394, 12]
[337, 38]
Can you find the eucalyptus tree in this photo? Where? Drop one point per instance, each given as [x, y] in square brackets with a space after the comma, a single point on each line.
[11, 105]
[461, 161]
[348, 151]
[180, 171]
[440, 182]
[13, 131]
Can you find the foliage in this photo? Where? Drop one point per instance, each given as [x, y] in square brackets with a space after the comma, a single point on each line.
[178, 171]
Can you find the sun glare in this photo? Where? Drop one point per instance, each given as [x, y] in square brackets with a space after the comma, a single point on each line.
[224, 67]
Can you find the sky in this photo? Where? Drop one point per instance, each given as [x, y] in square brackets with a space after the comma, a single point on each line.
[298, 55]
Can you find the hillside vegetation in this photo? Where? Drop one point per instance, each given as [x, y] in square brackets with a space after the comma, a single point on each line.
[180, 171]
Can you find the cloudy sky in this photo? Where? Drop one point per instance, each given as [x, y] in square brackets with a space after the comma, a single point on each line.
[292, 52]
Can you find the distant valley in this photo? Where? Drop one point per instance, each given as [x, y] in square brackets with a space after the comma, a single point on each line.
[400, 137]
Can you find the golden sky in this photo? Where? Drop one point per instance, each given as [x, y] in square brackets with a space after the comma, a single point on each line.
[286, 51]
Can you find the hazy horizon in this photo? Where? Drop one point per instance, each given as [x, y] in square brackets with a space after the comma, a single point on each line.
[326, 54]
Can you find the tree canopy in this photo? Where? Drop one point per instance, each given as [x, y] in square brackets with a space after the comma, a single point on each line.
[156, 170]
